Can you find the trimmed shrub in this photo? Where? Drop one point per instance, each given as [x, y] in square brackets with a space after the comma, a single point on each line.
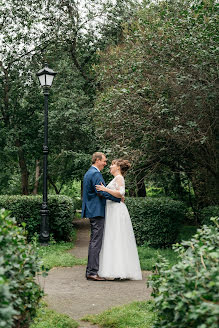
[208, 212]
[19, 293]
[187, 294]
[156, 221]
[27, 209]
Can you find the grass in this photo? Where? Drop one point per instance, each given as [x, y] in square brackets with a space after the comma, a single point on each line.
[47, 318]
[136, 314]
[56, 254]
[148, 256]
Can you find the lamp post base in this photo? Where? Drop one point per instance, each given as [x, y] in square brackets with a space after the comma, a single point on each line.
[44, 230]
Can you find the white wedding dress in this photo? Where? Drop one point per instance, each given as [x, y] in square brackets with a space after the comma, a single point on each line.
[118, 255]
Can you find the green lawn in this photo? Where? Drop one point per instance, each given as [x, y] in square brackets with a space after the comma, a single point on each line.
[136, 315]
[47, 318]
[56, 255]
[148, 255]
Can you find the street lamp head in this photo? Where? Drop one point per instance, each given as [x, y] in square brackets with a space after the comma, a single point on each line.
[46, 76]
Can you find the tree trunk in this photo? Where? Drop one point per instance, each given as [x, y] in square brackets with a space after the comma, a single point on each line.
[23, 169]
[141, 191]
[205, 187]
[37, 176]
[178, 185]
[54, 185]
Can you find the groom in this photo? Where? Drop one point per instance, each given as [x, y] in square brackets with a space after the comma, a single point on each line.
[93, 207]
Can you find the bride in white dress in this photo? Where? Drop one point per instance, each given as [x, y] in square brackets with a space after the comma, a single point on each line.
[118, 255]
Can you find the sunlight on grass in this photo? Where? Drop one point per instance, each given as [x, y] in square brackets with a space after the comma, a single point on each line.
[56, 255]
[136, 314]
[47, 318]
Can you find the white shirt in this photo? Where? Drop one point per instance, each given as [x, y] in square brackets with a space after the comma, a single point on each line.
[96, 168]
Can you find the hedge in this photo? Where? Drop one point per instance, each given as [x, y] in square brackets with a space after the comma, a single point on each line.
[156, 221]
[27, 209]
[186, 296]
[19, 292]
[207, 212]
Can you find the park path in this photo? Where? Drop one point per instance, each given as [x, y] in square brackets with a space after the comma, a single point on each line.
[67, 290]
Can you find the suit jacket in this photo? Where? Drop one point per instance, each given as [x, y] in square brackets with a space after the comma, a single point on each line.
[94, 201]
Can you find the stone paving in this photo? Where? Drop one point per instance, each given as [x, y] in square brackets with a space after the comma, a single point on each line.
[67, 290]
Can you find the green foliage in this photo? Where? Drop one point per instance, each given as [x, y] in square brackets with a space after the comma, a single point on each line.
[187, 294]
[156, 221]
[186, 232]
[149, 256]
[46, 318]
[19, 292]
[154, 191]
[158, 93]
[207, 212]
[136, 314]
[78, 203]
[27, 209]
[66, 35]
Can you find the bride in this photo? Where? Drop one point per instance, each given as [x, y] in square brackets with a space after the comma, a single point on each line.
[118, 255]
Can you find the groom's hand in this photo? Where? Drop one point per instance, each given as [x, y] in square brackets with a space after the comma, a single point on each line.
[99, 195]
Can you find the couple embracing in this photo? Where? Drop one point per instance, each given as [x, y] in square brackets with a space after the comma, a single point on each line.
[112, 250]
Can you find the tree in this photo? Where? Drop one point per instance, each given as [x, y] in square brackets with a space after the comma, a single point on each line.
[64, 34]
[158, 93]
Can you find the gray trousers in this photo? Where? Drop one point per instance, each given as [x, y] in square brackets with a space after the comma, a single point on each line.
[96, 226]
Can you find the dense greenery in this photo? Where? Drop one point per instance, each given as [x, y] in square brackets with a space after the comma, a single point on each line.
[140, 82]
[27, 209]
[156, 221]
[158, 95]
[66, 34]
[187, 294]
[207, 213]
[19, 292]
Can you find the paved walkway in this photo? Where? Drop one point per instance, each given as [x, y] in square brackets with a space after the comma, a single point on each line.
[69, 292]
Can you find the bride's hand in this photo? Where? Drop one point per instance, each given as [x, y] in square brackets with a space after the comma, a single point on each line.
[100, 187]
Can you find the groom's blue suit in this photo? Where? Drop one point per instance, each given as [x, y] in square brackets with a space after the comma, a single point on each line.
[94, 201]
[93, 207]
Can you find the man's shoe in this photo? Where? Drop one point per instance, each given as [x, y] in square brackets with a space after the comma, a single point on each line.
[95, 278]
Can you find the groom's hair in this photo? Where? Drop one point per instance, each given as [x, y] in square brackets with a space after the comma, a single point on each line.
[97, 155]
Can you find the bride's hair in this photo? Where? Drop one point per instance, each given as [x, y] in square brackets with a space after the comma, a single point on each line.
[123, 164]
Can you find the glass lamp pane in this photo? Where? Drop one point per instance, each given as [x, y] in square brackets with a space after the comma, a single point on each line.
[42, 80]
[49, 79]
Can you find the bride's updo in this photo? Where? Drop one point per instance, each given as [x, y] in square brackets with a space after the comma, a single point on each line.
[123, 164]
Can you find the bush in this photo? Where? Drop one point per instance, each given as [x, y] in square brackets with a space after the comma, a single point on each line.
[27, 209]
[187, 294]
[207, 212]
[19, 293]
[78, 203]
[156, 221]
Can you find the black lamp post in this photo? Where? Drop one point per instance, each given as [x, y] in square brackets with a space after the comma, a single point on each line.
[46, 76]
